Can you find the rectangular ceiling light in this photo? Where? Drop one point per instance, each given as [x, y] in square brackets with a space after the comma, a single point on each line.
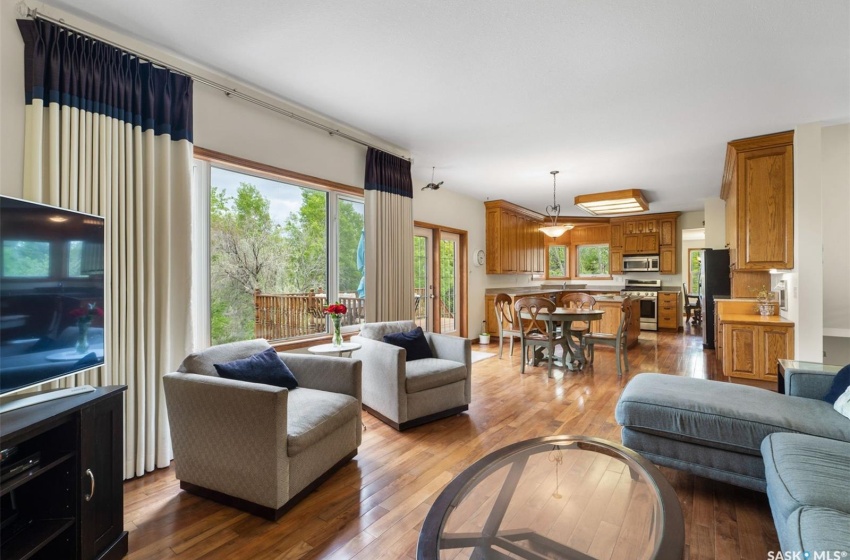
[629, 201]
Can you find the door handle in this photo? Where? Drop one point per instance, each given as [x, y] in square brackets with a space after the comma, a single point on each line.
[90, 495]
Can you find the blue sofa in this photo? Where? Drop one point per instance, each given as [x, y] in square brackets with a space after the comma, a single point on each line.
[794, 446]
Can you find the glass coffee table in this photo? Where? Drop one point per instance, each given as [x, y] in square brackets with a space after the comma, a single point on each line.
[556, 497]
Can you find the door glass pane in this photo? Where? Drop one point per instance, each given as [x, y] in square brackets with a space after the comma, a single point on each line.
[420, 281]
[268, 258]
[351, 255]
[448, 285]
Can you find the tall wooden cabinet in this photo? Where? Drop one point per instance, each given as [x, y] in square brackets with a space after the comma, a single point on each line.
[758, 187]
[514, 244]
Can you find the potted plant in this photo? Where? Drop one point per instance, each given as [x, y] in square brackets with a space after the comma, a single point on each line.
[766, 304]
[484, 337]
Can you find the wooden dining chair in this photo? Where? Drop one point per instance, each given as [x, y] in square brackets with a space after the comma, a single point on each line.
[537, 331]
[505, 316]
[579, 300]
[618, 341]
[692, 305]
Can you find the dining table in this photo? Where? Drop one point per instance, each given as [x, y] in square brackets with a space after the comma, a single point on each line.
[565, 317]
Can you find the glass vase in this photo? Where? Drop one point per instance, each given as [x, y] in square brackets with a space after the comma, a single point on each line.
[83, 337]
[337, 336]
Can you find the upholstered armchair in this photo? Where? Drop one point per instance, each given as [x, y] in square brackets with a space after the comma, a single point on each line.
[259, 447]
[406, 394]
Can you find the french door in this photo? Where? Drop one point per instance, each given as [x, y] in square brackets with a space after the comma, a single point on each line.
[439, 272]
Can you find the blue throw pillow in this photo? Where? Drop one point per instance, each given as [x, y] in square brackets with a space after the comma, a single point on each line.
[839, 385]
[413, 341]
[264, 367]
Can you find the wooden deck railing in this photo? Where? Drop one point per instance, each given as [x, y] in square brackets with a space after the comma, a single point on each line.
[289, 315]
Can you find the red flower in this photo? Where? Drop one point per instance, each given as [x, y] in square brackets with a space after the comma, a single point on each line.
[78, 312]
[336, 309]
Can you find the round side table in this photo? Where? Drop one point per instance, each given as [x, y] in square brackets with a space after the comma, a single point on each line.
[343, 351]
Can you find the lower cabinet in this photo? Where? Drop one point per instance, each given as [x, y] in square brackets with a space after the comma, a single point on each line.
[611, 320]
[668, 311]
[752, 351]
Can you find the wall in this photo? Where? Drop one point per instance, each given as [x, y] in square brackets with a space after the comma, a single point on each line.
[715, 223]
[835, 181]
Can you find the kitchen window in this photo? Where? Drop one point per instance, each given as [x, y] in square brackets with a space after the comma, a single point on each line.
[592, 261]
[558, 261]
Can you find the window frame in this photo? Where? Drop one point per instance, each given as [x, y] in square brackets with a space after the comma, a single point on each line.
[567, 268]
[203, 162]
[578, 260]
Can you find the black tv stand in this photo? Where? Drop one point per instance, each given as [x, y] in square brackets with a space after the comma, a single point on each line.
[70, 504]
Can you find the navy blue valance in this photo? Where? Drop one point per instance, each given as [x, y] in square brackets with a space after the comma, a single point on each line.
[62, 66]
[388, 173]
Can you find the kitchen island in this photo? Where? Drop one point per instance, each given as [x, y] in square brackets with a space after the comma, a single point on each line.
[608, 299]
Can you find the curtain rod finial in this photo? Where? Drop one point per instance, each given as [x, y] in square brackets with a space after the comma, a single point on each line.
[24, 10]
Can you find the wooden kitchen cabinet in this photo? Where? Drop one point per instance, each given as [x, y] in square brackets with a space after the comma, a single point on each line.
[752, 345]
[514, 244]
[758, 187]
[652, 234]
[648, 244]
[668, 311]
[613, 314]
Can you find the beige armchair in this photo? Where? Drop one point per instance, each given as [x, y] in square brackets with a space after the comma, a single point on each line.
[259, 447]
[407, 394]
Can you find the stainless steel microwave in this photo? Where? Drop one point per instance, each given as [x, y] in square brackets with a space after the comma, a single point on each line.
[640, 263]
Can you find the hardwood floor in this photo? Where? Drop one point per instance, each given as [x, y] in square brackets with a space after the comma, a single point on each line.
[374, 507]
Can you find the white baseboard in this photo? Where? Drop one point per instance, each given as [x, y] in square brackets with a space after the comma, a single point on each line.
[838, 333]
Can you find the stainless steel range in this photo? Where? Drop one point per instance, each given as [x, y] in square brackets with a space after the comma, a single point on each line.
[647, 290]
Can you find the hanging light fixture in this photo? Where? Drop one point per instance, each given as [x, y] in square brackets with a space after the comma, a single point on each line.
[555, 229]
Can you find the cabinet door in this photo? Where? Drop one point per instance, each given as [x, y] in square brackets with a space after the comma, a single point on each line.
[668, 231]
[631, 244]
[494, 238]
[630, 227]
[490, 316]
[766, 209]
[616, 235]
[640, 226]
[522, 245]
[667, 264]
[652, 226]
[508, 247]
[776, 343]
[668, 311]
[610, 321]
[740, 351]
[101, 474]
[649, 243]
[616, 261]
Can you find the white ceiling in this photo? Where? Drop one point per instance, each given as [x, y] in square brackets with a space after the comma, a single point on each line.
[496, 93]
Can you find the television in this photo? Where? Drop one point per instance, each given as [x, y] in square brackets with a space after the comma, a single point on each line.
[51, 293]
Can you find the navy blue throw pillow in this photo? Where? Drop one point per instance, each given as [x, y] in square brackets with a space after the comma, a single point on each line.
[839, 385]
[264, 367]
[413, 341]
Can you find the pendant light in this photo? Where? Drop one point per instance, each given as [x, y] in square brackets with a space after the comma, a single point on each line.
[555, 229]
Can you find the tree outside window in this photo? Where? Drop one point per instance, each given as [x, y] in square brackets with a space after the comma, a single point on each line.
[558, 261]
[592, 260]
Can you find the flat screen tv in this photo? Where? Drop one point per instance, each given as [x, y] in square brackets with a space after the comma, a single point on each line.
[51, 293]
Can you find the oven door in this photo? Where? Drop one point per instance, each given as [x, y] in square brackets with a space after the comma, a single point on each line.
[649, 314]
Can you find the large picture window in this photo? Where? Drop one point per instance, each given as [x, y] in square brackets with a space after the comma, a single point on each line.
[279, 253]
[592, 260]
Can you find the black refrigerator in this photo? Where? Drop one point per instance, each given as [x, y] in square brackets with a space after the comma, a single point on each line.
[714, 281]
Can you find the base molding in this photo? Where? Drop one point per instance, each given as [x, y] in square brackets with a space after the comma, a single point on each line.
[265, 512]
[416, 421]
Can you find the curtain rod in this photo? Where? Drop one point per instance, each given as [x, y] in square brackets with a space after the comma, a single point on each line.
[33, 13]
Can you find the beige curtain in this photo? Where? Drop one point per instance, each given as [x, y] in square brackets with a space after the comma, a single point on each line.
[137, 175]
[389, 238]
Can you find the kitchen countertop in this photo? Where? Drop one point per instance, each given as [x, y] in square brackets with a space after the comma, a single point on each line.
[521, 290]
[755, 319]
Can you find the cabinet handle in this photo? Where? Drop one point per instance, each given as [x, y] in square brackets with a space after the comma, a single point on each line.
[90, 495]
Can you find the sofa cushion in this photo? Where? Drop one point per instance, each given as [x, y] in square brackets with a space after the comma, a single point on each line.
[376, 331]
[414, 342]
[817, 529]
[432, 372]
[312, 415]
[202, 362]
[803, 470]
[263, 367]
[722, 415]
[840, 383]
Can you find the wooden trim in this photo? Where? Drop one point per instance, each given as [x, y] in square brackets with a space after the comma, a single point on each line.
[426, 225]
[510, 206]
[266, 512]
[463, 272]
[463, 311]
[275, 172]
[641, 216]
[416, 421]
[764, 141]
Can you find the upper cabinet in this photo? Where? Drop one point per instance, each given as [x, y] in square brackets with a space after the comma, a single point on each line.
[758, 187]
[649, 234]
[514, 244]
